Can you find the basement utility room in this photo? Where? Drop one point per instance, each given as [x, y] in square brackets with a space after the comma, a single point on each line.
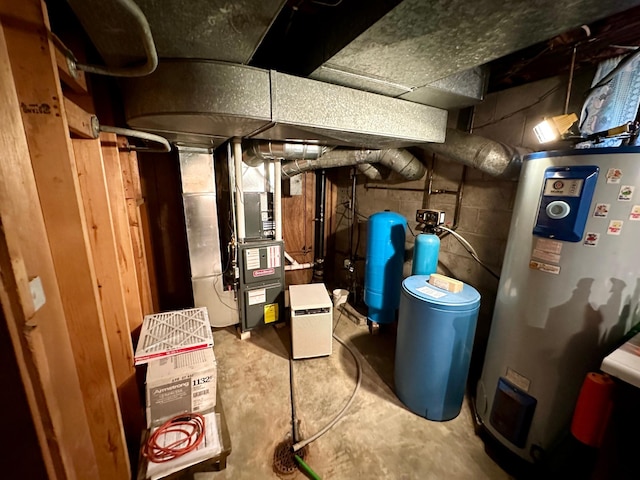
[325, 239]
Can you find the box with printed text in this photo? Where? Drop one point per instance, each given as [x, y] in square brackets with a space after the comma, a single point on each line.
[180, 383]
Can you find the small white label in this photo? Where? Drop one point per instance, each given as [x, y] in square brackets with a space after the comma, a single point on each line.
[546, 245]
[257, 296]
[601, 210]
[37, 293]
[546, 256]
[626, 192]
[431, 292]
[591, 239]
[273, 256]
[544, 267]
[520, 381]
[634, 216]
[615, 227]
[252, 257]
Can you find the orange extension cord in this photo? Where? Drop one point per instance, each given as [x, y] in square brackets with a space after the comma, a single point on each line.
[190, 430]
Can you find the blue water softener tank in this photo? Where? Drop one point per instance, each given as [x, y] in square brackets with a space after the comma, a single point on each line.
[433, 349]
[383, 268]
[425, 254]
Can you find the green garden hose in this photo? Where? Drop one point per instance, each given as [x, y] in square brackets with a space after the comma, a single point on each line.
[307, 468]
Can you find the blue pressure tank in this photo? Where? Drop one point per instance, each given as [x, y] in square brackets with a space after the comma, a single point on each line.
[386, 233]
[433, 349]
[425, 254]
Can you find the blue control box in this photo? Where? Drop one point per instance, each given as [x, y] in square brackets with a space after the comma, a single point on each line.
[565, 202]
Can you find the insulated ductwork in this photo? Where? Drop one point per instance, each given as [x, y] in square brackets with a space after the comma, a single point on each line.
[374, 171]
[267, 150]
[495, 158]
[400, 161]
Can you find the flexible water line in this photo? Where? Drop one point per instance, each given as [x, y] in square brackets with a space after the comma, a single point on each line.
[301, 444]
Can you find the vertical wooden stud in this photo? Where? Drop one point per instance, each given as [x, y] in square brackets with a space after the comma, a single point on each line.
[39, 336]
[133, 195]
[35, 72]
[120, 216]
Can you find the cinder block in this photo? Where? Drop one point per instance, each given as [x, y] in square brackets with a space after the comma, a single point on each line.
[494, 195]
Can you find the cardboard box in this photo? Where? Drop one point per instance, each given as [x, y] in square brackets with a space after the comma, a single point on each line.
[180, 383]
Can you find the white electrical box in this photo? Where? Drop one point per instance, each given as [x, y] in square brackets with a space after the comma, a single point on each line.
[311, 320]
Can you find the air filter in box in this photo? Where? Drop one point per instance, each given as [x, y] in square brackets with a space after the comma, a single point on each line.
[169, 333]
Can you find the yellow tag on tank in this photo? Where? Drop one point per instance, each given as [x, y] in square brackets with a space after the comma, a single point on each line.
[270, 312]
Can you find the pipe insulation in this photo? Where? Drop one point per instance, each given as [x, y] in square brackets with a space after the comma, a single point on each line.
[267, 150]
[400, 161]
[489, 156]
[163, 144]
[139, 27]
[374, 171]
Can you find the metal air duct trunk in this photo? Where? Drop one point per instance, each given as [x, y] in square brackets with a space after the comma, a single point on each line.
[216, 101]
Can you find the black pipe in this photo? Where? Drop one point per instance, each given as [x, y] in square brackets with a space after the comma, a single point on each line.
[321, 196]
[352, 254]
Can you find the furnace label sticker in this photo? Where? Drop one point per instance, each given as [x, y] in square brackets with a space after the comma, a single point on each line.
[256, 297]
[602, 210]
[270, 313]
[430, 292]
[546, 256]
[615, 227]
[544, 267]
[635, 213]
[273, 256]
[614, 175]
[626, 192]
[591, 239]
[546, 245]
[252, 257]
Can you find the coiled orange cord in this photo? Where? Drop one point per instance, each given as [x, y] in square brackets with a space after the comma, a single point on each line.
[189, 430]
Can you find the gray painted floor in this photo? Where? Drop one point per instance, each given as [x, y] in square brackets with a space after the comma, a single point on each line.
[378, 438]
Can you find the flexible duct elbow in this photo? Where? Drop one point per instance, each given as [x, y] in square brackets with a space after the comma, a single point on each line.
[489, 156]
[400, 161]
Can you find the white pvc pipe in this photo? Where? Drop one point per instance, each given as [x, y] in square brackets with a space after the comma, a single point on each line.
[298, 266]
[277, 199]
[290, 258]
[237, 163]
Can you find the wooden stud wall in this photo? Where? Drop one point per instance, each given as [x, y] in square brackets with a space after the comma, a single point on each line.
[96, 278]
[93, 186]
[40, 337]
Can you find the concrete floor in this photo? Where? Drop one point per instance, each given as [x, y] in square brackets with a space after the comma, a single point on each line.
[377, 439]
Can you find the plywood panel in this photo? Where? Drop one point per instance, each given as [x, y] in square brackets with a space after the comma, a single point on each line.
[35, 72]
[298, 213]
[120, 217]
[40, 338]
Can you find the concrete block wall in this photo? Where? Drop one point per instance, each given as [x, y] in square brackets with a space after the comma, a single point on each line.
[486, 209]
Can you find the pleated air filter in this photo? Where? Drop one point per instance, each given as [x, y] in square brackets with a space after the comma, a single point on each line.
[170, 333]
